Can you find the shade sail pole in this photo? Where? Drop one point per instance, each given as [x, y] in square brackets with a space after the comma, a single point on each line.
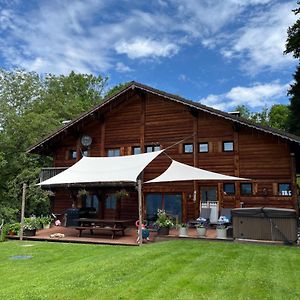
[139, 182]
[23, 211]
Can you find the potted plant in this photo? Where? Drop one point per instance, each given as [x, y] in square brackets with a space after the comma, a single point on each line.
[30, 226]
[163, 222]
[201, 229]
[183, 230]
[4, 232]
[46, 221]
[221, 228]
[14, 228]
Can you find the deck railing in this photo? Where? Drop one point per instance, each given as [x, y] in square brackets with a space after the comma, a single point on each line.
[47, 173]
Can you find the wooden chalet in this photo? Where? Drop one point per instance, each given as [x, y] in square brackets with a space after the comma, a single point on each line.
[143, 119]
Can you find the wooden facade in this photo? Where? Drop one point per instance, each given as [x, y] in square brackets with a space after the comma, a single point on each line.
[141, 117]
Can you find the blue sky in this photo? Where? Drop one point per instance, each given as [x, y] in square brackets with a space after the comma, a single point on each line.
[221, 53]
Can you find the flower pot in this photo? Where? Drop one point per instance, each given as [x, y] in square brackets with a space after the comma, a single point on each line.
[221, 233]
[183, 231]
[163, 231]
[46, 226]
[29, 232]
[201, 231]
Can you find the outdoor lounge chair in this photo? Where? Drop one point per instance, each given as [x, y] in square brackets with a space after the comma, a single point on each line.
[204, 217]
[226, 212]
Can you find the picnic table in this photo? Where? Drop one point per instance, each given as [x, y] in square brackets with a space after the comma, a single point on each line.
[102, 225]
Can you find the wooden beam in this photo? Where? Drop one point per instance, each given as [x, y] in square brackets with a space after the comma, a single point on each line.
[294, 182]
[236, 154]
[143, 119]
[102, 147]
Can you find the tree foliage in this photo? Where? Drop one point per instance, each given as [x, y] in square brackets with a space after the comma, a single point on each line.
[293, 46]
[294, 93]
[293, 41]
[32, 106]
[276, 116]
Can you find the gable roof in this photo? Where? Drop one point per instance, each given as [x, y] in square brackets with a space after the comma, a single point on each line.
[196, 105]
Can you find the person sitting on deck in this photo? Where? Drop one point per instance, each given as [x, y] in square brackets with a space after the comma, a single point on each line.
[145, 231]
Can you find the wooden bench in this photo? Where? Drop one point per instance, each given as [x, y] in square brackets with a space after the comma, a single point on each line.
[113, 230]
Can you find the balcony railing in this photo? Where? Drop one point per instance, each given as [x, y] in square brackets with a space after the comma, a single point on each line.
[47, 173]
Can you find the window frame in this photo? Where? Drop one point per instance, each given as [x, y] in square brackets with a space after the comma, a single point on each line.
[234, 190]
[71, 156]
[227, 142]
[203, 143]
[109, 199]
[184, 149]
[136, 147]
[153, 148]
[113, 149]
[289, 192]
[241, 189]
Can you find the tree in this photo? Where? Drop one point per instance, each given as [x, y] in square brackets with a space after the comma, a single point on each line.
[293, 46]
[277, 116]
[32, 106]
[293, 40]
[294, 93]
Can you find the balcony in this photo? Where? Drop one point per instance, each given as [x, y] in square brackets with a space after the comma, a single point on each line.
[47, 173]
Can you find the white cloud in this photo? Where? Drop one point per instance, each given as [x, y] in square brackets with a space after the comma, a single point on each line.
[141, 47]
[122, 68]
[92, 35]
[255, 96]
[261, 42]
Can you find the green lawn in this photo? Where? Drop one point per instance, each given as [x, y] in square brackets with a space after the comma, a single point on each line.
[167, 270]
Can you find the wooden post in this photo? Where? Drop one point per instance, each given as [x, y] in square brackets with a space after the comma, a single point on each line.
[140, 211]
[23, 211]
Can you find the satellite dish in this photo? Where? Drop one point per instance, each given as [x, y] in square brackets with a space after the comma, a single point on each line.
[86, 140]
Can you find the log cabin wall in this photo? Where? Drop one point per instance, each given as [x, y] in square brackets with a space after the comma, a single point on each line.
[144, 119]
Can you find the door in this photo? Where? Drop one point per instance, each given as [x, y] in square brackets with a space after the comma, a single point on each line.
[173, 206]
[209, 199]
[171, 203]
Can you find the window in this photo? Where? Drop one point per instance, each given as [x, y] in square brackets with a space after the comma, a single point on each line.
[152, 148]
[246, 189]
[84, 152]
[113, 152]
[229, 188]
[72, 154]
[284, 189]
[111, 201]
[228, 146]
[171, 203]
[188, 148]
[136, 150]
[91, 201]
[203, 147]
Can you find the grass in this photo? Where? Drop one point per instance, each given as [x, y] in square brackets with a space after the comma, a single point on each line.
[167, 270]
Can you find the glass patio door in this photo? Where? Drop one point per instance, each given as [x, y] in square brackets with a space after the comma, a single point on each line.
[171, 203]
[209, 199]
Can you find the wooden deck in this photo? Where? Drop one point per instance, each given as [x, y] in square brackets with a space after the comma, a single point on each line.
[71, 236]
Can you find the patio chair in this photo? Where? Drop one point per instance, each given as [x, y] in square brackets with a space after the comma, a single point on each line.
[204, 217]
[226, 212]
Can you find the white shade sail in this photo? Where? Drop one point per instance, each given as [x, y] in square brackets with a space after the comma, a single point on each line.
[104, 169]
[181, 172]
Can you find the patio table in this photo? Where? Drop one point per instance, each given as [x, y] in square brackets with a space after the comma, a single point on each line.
[111, 225]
